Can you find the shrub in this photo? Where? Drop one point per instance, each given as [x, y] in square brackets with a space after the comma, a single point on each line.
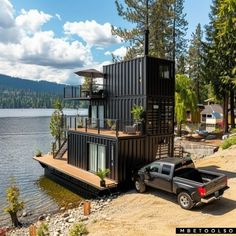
[38, 153]
[78, 229]
[228, 142]
[14, 204]
[42, 230]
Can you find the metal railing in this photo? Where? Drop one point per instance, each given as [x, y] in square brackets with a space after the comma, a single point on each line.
[95, 91]
[100, 125]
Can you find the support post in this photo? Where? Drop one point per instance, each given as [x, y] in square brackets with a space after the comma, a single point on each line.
[117, 128]
[86, 124]
[98, 125]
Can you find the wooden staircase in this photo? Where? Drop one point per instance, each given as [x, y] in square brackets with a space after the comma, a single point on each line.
[61, 150]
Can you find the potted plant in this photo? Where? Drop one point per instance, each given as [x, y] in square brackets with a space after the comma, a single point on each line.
[102, 174]
[138, 115]
[111, 124]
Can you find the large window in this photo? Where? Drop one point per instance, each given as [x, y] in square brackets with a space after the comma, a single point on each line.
[97, 157]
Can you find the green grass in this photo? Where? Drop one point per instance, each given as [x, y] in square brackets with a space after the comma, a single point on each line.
[228, 142]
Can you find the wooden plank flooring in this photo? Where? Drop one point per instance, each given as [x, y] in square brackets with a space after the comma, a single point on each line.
[75, 172]
[104, 132]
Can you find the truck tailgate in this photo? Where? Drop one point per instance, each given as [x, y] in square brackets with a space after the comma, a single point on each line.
[215, 184]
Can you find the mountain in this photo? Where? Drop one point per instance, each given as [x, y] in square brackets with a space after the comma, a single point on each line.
[22, 93]
[7, 82]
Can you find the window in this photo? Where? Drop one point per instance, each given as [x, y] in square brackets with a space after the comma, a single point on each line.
[164, 72]
[166, 169]
[97, 157]
[154, 167]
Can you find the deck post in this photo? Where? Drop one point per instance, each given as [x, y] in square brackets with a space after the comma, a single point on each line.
[117, 128]
[86, 124]
[98, 125]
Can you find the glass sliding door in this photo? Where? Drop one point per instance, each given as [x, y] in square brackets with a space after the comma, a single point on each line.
[97, 157]
[93, 157]
[101, 157]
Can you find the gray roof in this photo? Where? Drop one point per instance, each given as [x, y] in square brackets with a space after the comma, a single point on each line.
[213, 108]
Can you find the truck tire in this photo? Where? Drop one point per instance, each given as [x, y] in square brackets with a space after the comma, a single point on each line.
[139, 185]
[185, 201]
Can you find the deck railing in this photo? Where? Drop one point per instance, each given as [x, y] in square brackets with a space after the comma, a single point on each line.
[96, 91]
[99, 125]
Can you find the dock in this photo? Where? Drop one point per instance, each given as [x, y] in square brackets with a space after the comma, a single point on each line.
[82, 181]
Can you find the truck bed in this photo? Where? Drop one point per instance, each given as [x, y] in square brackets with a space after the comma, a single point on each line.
[210, 180]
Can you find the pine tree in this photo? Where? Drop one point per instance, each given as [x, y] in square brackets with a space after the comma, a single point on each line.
[220, 51]
[195, 63]
[162, 36]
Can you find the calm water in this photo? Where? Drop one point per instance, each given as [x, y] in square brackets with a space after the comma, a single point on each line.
[20, 136]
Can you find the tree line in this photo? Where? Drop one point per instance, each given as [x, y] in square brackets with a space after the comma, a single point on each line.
[23, 98]
[205, 64]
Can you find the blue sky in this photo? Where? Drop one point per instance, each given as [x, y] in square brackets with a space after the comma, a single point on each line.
[50, 39]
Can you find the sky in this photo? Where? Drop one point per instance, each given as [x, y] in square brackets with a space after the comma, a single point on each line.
[51, 39]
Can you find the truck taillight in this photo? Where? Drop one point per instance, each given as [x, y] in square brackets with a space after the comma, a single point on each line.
[202, 191]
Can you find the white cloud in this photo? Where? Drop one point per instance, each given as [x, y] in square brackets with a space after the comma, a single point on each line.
[28, 51]
[58, 17]
[32, 20]
[92, 32]
[120, 52]
[8, 30]
[6, 14]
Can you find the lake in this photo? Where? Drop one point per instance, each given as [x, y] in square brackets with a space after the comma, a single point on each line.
[22, 132]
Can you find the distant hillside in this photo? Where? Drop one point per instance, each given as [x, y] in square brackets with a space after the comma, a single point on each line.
[7, 82]
[21, 93]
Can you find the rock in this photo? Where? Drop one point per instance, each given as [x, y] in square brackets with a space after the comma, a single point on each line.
[71, 220]
[24, 214]
[47, 218]
[62, 209]
[70, 204]
[83, 218]
[42, 217]
[66, 215]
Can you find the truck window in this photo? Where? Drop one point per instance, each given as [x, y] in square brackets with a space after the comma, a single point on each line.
[155, 167]
[166, 169]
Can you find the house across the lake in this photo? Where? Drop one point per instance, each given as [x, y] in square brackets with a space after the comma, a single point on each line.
[109, 138]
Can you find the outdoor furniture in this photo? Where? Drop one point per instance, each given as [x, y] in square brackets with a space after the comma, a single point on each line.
[131, 129]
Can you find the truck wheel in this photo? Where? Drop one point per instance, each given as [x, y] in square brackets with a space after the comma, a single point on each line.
[139, 186]
[185, 201]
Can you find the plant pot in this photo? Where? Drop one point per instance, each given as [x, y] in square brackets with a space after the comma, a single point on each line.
[102, 183]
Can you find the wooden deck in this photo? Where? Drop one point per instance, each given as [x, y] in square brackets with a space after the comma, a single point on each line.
[75, 172]
[104, 132]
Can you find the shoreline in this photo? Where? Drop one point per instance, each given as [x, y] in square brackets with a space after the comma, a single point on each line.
[60, 222]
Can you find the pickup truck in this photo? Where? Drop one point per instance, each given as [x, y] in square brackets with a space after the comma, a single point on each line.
[179, 176]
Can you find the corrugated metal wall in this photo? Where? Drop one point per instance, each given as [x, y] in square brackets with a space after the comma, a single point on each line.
[78, 150]
[156, 85]
[136, 152]
[131, 156]
[127, 78]
[126, 85]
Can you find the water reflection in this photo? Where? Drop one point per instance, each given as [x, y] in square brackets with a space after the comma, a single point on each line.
[61, 195]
